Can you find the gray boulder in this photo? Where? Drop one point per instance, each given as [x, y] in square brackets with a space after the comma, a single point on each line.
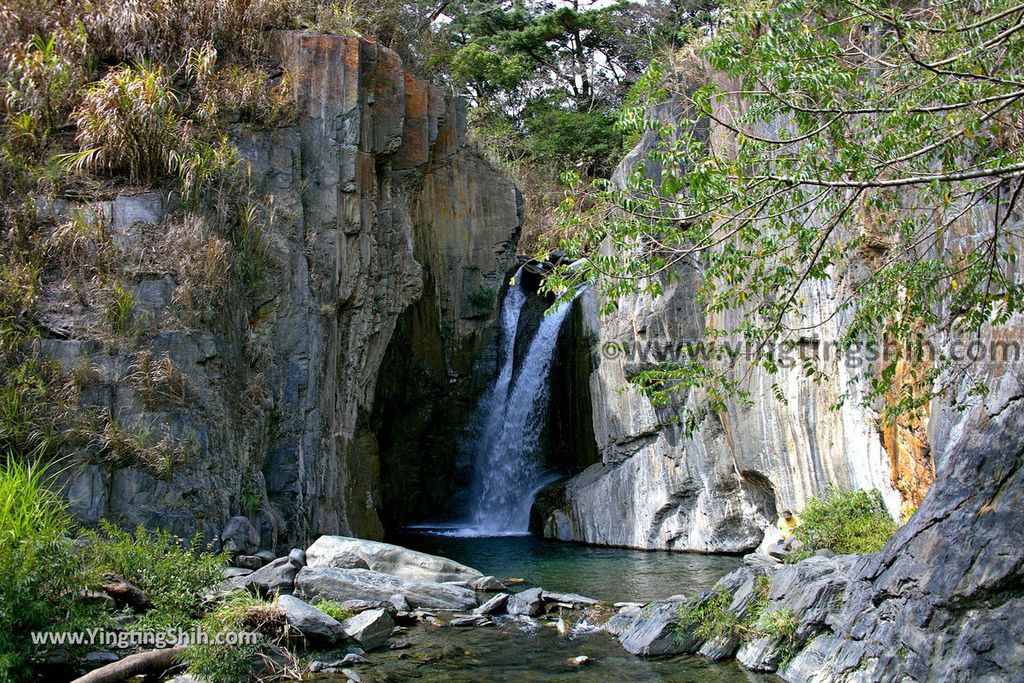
[276, 578]
[528, 603]
[252, 562]
[370, 628]
[494, 605]
[654, 630]
[234, 572]
[400, 603]
[365, 584]
[346, 553]
[622, 619]
[760, 654]
[240, 537]
[488, 583]
[310, 621]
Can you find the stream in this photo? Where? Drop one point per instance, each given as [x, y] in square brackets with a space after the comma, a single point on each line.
[519, 649]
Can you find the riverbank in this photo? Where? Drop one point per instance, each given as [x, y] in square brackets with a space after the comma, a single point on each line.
[351, 609]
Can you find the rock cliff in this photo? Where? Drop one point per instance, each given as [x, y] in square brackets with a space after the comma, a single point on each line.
[375, 207]
[719, 488]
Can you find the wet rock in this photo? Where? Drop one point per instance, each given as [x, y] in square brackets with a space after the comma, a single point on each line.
[760, 654]
[474, 620]
[720, 647]
[623, 619]
[386, 558]
[352, 675]
[569, 599]
[364, 584]
[370, 628]
[528, 603]
[654, 630]
[348, 660]
[240, 537]
[494, 605]
[310, 621]
[581, 660]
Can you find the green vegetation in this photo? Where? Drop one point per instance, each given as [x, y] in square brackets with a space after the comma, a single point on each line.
[483, 298]
[712, 618]
[709, 618]
[334, 609]
[39, 573]
[902, 119]
[172, 573]
[844, 522]
[235, 663]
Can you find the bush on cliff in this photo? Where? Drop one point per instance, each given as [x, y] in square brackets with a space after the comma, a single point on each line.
[844, 522]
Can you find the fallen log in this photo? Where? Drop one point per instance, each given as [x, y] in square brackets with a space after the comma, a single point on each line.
[134, 665]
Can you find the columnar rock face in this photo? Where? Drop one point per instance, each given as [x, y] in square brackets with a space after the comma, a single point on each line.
[717, 489]
[377, 204]
[720, 487]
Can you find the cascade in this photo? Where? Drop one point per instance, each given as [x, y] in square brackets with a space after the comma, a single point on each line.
[508, 468]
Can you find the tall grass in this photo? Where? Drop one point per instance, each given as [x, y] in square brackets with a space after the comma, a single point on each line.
[39, 575]
[129, 122]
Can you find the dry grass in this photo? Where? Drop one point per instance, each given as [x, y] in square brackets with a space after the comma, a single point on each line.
[81, 244]
[158, 381]
[201, 261]
[137, 445]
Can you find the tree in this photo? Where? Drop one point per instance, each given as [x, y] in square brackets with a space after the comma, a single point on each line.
[861, 134]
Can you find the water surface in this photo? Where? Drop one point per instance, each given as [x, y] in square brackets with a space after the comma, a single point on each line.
[608, 574]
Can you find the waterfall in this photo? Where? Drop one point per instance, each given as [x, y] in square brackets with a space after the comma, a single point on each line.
[508, 469]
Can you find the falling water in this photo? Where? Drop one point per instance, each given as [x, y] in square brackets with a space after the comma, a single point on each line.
[508, 470]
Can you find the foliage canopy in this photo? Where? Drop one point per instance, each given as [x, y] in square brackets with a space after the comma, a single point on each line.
[854, 141]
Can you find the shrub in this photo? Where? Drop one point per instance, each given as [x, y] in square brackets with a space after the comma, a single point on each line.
[39, 575]
[171, 573]
[235, 663]
[45, 75]
[238, 93]
[158, 380]
[844, 522]
[334, 609]
[119, 312]
[252, 248]
[483, 298]
[129, 122]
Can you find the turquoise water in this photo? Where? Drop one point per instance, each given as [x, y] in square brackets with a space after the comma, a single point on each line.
[609, 574]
